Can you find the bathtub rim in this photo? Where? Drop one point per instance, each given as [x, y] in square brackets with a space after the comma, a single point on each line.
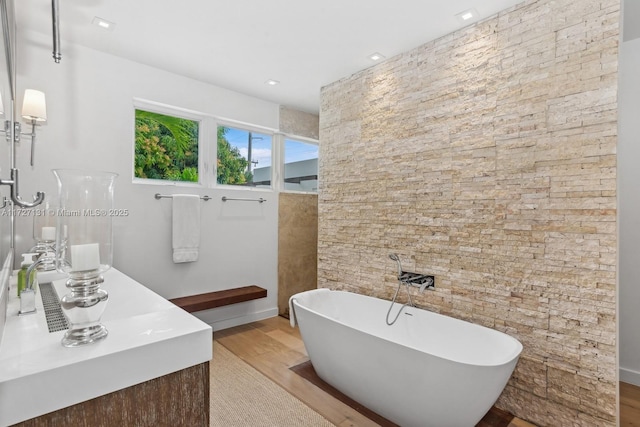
[510, 357]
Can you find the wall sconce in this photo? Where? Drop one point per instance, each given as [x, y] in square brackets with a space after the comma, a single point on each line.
[34, 111]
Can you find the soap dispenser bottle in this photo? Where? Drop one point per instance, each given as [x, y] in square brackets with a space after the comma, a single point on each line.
[27, 260]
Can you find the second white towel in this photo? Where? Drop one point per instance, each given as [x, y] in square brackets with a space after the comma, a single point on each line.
[186, 227]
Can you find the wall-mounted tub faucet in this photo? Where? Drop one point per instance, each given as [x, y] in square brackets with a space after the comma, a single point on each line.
[423, 281]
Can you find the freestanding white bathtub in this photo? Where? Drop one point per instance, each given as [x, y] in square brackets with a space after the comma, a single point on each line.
[425, 370]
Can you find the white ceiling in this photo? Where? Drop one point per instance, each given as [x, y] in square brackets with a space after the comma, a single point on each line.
[239, 44]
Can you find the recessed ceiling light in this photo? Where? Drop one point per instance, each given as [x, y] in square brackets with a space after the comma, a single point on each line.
[376, 56]
[272, 82]
[467, 15]
[103, 23]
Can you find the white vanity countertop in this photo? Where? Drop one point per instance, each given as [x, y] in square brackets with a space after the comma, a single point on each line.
[148, 337]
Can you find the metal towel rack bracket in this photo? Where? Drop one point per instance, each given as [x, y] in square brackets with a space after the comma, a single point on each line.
[159, 196]
[260, 200]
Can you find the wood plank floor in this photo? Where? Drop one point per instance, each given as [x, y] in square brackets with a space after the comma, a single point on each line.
[272, 347]
[629, 405]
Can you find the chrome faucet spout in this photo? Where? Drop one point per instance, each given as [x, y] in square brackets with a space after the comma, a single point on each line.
[32, 267]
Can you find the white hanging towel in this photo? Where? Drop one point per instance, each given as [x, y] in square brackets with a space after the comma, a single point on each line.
[186, 227]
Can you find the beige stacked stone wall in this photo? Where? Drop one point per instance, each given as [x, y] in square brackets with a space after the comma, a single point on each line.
[297, 222]
[299, 123]
[488, 158]
[297, 246]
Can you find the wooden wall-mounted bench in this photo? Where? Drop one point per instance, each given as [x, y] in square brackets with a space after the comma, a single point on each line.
[215, 299]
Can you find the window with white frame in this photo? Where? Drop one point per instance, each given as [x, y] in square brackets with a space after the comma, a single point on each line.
[174, 145]
[244, 157]
[167, 146]
[300, 165]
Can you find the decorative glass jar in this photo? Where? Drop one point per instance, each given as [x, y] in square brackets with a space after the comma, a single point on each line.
[84, 249]
[44, 234]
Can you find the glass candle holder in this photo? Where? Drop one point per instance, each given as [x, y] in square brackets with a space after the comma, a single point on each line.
[44, 234]
[84, 249]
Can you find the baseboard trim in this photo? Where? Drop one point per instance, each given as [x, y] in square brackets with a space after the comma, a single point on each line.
[629, 376]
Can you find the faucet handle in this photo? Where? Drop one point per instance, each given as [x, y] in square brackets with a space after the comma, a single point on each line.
[429, 282]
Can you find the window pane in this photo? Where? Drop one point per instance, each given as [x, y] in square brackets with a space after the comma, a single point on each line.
[244, 157]
[166, 147]
[300, 166]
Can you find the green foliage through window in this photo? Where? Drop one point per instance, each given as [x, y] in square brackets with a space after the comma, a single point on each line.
[232, 166]
[166, 147]
[244, 157]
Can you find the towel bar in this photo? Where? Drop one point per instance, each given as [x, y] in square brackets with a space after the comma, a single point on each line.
[159, 196]
[260, 200]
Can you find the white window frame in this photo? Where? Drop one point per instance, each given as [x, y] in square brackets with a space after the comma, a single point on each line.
[204, 128]
[249, 128]
[208, 149]
[282, 156]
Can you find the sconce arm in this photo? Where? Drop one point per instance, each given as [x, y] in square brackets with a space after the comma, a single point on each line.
[32, 135]
[15, 197]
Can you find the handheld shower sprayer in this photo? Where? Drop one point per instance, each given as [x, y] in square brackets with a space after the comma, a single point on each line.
[396, 258]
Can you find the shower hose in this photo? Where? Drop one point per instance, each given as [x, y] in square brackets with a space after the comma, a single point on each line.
[410, 303]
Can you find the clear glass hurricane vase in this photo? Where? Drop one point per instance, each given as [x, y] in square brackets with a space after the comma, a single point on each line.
[44, 234]
[84, 249]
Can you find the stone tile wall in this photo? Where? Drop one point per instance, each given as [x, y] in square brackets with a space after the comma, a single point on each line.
[297, 246]
[299, 123]
[488, 157]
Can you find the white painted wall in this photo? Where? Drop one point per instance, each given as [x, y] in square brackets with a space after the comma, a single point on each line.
[629, 210]
[91, 126]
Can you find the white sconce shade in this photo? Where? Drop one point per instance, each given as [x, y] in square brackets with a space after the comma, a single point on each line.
[34, 106]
